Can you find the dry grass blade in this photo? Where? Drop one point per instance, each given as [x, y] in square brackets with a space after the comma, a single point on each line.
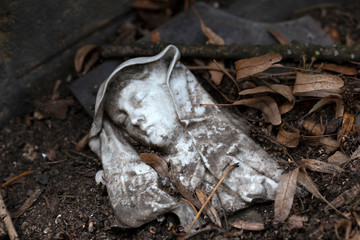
[319, 166]
[347, 196]
[211, 194]
[210, 210]
[305, 180]
[289, 136]
[250, 66]
[266, 105]
[251, 226]
[316, 83]
[81, 55]
[279, 37]
[155, 162]
[285, 195]
[339, 108]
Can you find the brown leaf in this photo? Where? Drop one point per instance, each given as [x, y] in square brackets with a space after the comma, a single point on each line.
[289, 136]
[210, 210]
[286, 107]
[282, 89]
[296, 222]
[285, 195]
[319, 166]
[266, 105]
[251, 226]
[93, 59]
[155, 37]
[343, 227]
[149, 4]
[312, 140]
[345, 197]
[56, 108]
[81, 54]
[213, 38]
[216, 76]
[339, 106]
[305, 180]
[250, 66]
[330, 145]
[314, 128]
[347, 125]
[338, 158]
[339, 69]
[356, 154]
[279, 37]
[316, 83]
[155, 162]
[333, 33]
[82, 144]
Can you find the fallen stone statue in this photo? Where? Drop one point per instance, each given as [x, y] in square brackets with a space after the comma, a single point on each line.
[155, 104]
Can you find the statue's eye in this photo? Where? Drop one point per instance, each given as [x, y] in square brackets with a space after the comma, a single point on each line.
[121, 117]
[140, 96]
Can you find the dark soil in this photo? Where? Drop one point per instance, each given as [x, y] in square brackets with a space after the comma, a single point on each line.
[72, 206]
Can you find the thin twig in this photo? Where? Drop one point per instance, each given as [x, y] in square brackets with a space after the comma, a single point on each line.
[228, 74]
[16, 178]
[5, 216]
[212, 193]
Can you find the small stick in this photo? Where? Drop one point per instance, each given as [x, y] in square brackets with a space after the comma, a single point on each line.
[27, 204]
[5, 216]
[16, 178]
[212, 193]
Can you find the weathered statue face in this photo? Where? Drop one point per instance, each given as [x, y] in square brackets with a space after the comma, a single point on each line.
[146, 112]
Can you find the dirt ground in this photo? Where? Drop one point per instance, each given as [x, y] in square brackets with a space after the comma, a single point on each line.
[68, 204]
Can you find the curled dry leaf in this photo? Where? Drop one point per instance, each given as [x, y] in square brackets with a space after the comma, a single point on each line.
[81, 55]
[343, 226]
[82, 144]
[251, 226]
[286, 107]
[155, 162]
[289, 136]
[311, 140]
[296, 222]
[210, 210]
[317, 85]
[347, 125]
[266, 105]
[330, 145]
[319, 166]
[279, 37]
[338, 158]
[339, 106]
[285, 195]
[313, 128]
[282, 89]
[345, 197]
[250, 66]
[339, 69]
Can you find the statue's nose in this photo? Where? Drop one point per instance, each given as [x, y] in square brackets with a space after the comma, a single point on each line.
[137, 119]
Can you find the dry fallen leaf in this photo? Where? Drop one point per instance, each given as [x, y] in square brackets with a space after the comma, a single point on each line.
[338, 158]
[82, 144]
[155, 162]
[317, 85]
[313, 128]
[289, 136]
[279, 37]
[330, 145]
[249, 66]
[216, 76]
[155, 37]
[319, 166]
[285, 195]
[81, 55]
[265, 104]
[339, 106]
[213, 38]
[305, 180]
[343, 227]
[347, 125]
[339, 69]
[296, 222]
[284, 90]
[55, 108]
[356, 154]
[210, 210]
[251, 226]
